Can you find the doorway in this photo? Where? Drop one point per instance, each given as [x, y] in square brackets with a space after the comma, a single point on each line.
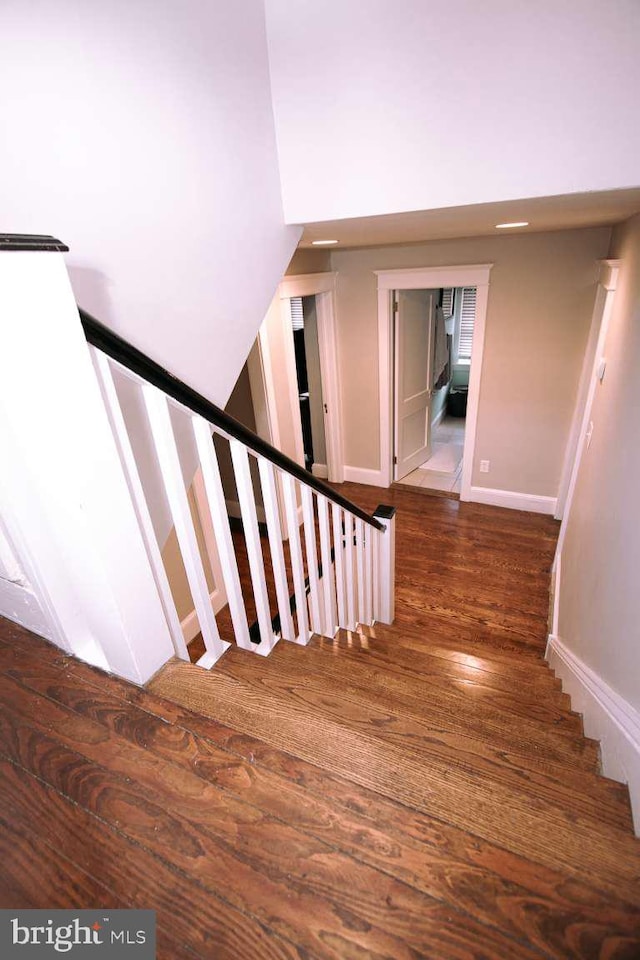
[433, 338]
[277, 373]
[304, 321]
[474, 276]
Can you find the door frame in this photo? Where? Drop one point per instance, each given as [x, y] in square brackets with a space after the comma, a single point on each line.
[427, 278]
[322, 286]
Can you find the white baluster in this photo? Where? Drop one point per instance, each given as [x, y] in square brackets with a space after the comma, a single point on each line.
[328, 585]
[169, 461]
[368, 573]
[116, 418]
[360, 567]
[312, 558]
[274, 529]
[244, 484]
[338, 545]
[375, 588]
[295, 550]
[349, 570]
[224, 540]
[385, 597]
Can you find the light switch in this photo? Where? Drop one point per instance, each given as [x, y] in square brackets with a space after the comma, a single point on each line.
[589, 434]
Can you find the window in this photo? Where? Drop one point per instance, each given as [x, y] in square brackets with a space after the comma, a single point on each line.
[467, 320]
[297, 315]
[448, 301]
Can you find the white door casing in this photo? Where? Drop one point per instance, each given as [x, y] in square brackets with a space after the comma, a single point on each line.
[414, 312]
[322, 286]
[429, 278]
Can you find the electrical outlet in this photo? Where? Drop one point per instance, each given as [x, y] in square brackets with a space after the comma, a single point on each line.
[484, 466]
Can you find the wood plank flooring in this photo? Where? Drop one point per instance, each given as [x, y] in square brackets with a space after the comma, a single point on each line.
[420, 790]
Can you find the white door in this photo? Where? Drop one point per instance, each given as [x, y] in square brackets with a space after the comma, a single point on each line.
[414, 312]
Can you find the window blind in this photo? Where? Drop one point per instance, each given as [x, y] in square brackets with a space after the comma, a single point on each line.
[297, 316]
[467, 320]
[448, 301]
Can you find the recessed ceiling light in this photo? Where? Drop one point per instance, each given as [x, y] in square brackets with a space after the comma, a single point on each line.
[322, 243]
[509, 226]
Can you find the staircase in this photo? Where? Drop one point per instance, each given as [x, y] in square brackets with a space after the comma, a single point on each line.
[381, 781]
[441, 750]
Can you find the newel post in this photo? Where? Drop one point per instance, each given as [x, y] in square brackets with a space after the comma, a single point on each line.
[66, 507]
[384, 593]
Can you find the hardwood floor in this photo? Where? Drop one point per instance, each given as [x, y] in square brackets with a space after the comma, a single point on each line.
[420, 790]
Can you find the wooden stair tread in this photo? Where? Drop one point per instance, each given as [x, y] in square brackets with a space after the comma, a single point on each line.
[429, 855]
[421, 664]
[449, 688]
[416, 790]
[541, 831]
[419, 701]
[467, 655]
[227, 844]
[546, 776]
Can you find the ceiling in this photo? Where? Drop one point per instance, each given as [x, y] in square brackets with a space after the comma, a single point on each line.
[478, 220]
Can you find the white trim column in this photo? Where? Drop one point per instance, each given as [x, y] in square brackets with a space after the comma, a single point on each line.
[65, 501]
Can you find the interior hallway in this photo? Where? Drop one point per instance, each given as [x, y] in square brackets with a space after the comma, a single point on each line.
[443, 470]
[421, 790]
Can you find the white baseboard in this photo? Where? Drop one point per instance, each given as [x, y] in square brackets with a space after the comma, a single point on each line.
[320, 470]
[608, 717]
[513, 500]
[439, 417]
[20, 604]
[191, 625]
[361, 475]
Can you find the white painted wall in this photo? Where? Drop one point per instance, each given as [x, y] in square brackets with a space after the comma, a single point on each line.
[141, 133]
[599, 613]
[596, 646]
[383, 107]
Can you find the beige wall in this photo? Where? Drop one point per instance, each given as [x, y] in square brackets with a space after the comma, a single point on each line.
[599, 608]
[542, 288]
[308, 260]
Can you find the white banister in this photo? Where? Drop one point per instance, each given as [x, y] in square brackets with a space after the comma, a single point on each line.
[274, 531]
[349, 571]
[131, 468]
[244, 484]
[384, 604]
[312, 558]
[169, 461]
[118, 426]
[220, 520]
[338, 546]
[375, 575]
[295, 551]
[369, 534]
[328, 584]
[359, 525]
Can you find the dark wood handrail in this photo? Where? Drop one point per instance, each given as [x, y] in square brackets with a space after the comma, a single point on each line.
[129, 356]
